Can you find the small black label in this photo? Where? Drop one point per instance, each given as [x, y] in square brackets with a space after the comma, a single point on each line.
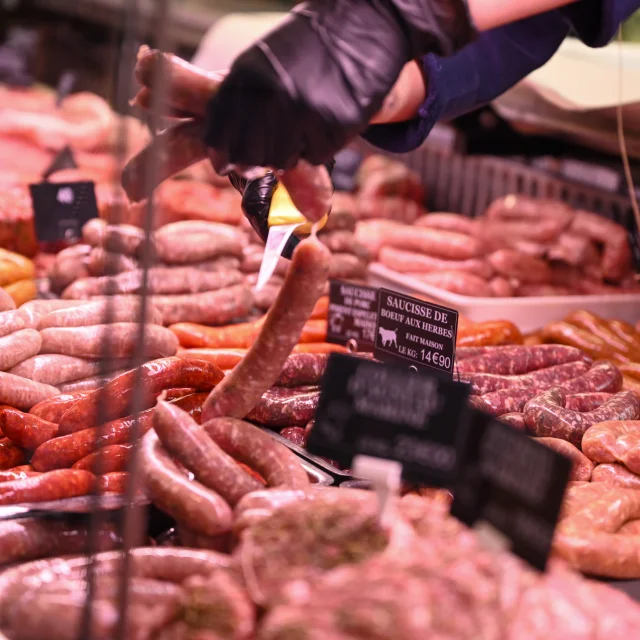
[61, 209]
[353, 311]
[63, 160]
[512, 482]
[416, 333]
[390, 412]
[66, 83]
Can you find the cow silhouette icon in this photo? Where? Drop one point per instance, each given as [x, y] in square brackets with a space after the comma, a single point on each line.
[389, 337]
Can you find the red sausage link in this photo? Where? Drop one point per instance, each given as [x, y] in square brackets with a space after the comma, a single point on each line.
[283, 407]
[113, 482]
[155, 376]
[109, 459]
[11, 455]
[514, 419]
[239, 392]
[257, 449]
[301, 369]
[13, 474]
[188, 501]
[52, 409]
[66, 450]
[26, 430]
[55, 485]
[189, 443]
[521, 359]
[586, 401]
[545, 414]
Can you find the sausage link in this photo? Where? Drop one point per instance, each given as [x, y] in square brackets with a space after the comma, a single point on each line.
[459, 282]
[17, 473]
[631, 369]
[284, 407]
[101, 263]
[109, 459]
[513, 264]
[121, 337]
[302, 369]
[91, 383]
[257, 449]
[189, 443]
[514, 419]
[493, 332]
[568, 334]
[154, 377]
[56, 369]
[616, 474]
[113, 482]
[545, 414]
[521, 359]
[482, 383]
[239, 392]
[55, 485]
[223, 358]
[614, 441]
[24, 429]
[174, 149]
[22, 393]
[582, 467]
[65, 451]
[12, 321]
[188, 501]
[11, 455]
[33, 538]
[52, 409]
[114, 310]
[18, 346]
[435, 242]
[116, 238]
[586, 401]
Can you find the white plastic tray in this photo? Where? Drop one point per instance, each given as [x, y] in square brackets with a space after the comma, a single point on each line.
[528, 314]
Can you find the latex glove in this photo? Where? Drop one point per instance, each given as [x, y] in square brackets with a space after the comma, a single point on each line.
[313, 83]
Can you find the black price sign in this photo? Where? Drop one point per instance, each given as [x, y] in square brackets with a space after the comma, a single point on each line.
[389, 412]
[63, 160]
[512, 482]
[416, 333]
[353, 311]
[61, 209]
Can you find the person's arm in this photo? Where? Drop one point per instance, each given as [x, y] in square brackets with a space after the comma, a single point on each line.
[489, 14]
[473, 77]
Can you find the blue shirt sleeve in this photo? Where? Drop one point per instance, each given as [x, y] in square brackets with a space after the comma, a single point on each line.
[496, 61]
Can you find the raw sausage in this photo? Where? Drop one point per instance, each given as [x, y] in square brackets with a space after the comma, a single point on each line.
[521, 359]
[302, 369]
[11, 321]
[101, 263]
[586, 401]
[22, 393]
[283, 407]
[119, 238]
[242, 388]
[24, 429]
[52, 409]
[114, 310]
[55, 485]
[514, 419]
[545, 414]
[582, 466]
[113, 482]
[436, 242]
[65, 451]
[257, 449]
[109, 459]
[119, 340]
[615, 474]
[189, 443]
[513, 264]
[460, 282]
[10, 455]
[188, 501]
[156, 376]
[91, 383]
[18, 346]
[614, 441]
[568, 334]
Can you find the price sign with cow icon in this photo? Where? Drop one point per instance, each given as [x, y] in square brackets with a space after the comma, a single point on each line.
[416, 333]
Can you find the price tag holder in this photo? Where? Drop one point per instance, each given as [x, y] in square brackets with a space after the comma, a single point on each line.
[415, 333]
[383, 411]
[63, 160]
[61, 209]
[512, 483]
[352, 317]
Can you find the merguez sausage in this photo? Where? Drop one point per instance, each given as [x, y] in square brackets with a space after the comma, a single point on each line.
[52, 409]
[188, 501]
[257, 449]
[18, 346]
[242, 388]
[155, 377]
[545, 414]
[55, 485]
[121, 337]
[26, 430]
[109, 459]
[22, 393]
[189, 443]
[10, 455]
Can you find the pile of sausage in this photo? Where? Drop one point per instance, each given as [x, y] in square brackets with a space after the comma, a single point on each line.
[297, 564]
[17, 284]
[521, 246]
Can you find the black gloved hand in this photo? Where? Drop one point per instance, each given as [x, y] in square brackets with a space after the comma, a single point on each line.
[313, 83]
[256, 203]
